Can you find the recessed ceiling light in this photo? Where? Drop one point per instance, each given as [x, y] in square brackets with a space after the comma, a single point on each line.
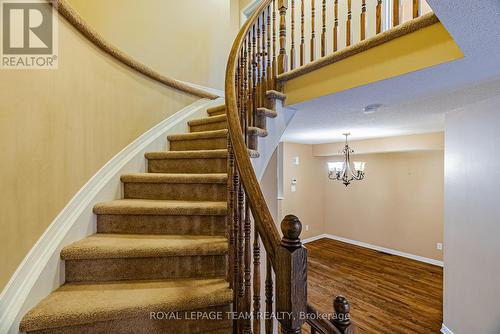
[372, 108]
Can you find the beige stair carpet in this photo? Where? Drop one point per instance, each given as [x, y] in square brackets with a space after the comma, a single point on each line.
[162, 248]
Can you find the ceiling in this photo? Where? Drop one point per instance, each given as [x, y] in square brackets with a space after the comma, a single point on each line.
[422, 98]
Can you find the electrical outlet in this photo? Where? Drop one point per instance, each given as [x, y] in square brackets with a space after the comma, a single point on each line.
[307, 228]
[439, 246]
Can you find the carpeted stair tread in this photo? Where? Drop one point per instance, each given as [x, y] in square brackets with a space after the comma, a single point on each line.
[199, 135]
[255, 131]
[218, 178]
[208, 120]
[274, 94]
[161, 207]
[218, 110]
[112, 246]
[267, 112]
[76, 304]
[254, 154]
[201, 154]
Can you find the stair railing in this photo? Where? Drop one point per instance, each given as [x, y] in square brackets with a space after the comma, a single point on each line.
[259, 59]
[254, 63]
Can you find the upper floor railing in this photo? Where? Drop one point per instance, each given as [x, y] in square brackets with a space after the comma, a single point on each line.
[269, 44]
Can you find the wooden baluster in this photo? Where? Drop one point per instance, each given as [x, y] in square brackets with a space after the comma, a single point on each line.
[342, 318]
[269, 297]
[282, 59]
[379, 17]
[275, 54]
[395, 12]
[263, 85]
[249, 88]
[269, 59]
[248, 270]
[256, 283]
[255, 77]
[348, 25]
[313, 31]
[258, 58]
[236, 263]
[416, 8]
[336, 25]
[245, 90]
[292, 36]
[241, 253]
[302, 34]
[363, 20]
[291, 276]
[313, 330]
[323, 30]
[237, 84]
[229, 216]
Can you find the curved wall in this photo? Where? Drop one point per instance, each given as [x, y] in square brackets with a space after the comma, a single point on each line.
[59, 127]
[188, 40]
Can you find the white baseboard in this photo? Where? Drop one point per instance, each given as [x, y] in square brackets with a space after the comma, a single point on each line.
[42, 271]
[445, 330]
[311, 239]
[377, 248]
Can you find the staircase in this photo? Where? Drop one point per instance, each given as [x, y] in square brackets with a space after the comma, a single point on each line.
[188, 235]
[163, 248]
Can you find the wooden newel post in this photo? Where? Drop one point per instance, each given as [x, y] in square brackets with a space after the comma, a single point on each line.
[291, 277]
[342, 317]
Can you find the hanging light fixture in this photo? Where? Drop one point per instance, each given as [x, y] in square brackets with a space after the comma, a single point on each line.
[346, 171]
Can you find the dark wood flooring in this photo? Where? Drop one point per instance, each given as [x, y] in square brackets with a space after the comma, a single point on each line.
[388, 294]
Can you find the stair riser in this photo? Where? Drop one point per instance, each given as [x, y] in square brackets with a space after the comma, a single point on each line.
[97, 270]
[147, 324]
[208, 127]
[176, 191]
[261, 122]
[199, 144]
[253, 143]
[153, 224]
[187, 166]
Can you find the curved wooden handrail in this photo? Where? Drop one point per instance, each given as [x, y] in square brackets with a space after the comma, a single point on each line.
[263, 219]
[83, 27]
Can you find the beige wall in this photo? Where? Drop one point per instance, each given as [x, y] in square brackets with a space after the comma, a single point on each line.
[472, 219]
[307, 201]
[419, 142]
[398, 206]
[188, 40]
[59, 127]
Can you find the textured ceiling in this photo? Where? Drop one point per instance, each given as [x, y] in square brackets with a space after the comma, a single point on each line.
[414, 102]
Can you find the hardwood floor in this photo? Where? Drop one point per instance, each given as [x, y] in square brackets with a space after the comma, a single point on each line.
[388, 294]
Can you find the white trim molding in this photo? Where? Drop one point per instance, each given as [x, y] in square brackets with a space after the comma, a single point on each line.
[248, 10]
[445, 330]
[42, 271]
[377, 248]
[215, 91]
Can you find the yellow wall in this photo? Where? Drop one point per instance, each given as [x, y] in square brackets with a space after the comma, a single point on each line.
[188, 40]
[398, 206]
[424, 48]
[59, 127]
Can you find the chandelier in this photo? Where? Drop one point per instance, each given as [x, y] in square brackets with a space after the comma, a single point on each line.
[346, 171]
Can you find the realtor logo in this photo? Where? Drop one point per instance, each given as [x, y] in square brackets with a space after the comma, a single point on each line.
[29, 34]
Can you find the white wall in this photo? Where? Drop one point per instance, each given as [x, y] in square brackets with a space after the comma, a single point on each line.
[472, 219]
